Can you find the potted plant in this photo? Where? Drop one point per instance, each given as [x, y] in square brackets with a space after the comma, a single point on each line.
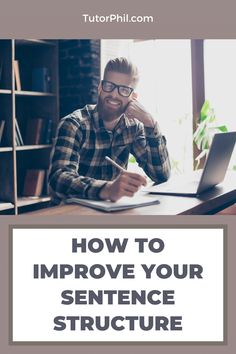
[206, 128]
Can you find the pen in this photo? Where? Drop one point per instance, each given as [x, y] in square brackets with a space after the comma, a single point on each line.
[114, 163]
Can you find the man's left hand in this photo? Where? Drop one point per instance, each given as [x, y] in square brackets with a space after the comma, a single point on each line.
[136, 110]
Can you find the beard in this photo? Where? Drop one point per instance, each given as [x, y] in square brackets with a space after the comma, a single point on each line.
[108, 112]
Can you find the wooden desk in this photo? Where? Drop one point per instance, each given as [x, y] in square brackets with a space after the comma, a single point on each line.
[210, 202]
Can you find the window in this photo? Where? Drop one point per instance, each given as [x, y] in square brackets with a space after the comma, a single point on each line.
[220, 82]
[165, 89]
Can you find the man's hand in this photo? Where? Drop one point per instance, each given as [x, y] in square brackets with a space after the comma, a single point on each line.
[136, 110]
[126, 184]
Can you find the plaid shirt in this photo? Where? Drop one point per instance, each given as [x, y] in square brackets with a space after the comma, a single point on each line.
[78, 165]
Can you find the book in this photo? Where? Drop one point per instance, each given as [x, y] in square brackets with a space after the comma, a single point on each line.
[46, 134]
[2, 124]
[17, 75]
[33, 184]
[139, 200]
[17, 143]
[34, 131]
[18, 134]
[41, 80]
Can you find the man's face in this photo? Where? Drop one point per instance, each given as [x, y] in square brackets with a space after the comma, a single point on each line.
[112, 104]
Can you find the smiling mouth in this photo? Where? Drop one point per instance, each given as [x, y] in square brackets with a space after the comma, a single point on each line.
[113, 103]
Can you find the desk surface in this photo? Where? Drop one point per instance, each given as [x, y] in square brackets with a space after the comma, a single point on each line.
[209, 202]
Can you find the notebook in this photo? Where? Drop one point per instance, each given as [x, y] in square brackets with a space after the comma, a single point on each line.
[139, 200]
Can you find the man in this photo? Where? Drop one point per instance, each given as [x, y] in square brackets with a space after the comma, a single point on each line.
[117, 126]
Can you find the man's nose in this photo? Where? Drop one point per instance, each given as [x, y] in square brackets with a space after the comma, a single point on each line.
[115, 93]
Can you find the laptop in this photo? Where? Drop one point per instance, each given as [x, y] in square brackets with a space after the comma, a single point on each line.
[212, 174]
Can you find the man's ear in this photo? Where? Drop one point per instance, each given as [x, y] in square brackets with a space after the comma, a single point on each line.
[134, 95]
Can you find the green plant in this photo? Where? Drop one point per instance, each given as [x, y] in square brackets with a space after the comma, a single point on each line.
[206, 128]
[132, 159]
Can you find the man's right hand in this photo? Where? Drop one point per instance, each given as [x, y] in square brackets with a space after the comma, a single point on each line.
[126, 184]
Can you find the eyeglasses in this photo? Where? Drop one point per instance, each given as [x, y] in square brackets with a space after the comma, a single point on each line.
[109, 86]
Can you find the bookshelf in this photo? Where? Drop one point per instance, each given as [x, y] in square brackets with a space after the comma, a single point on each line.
[32, 96]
